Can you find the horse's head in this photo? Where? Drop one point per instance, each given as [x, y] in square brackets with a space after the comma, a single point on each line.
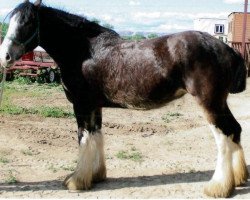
[23, 33]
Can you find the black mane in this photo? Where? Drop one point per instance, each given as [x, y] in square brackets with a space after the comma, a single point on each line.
[26, 9]
[73, 20]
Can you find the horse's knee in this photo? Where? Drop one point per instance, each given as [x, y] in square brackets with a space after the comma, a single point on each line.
[91, 163]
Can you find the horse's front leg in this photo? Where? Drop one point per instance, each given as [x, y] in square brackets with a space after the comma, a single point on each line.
[91, 162]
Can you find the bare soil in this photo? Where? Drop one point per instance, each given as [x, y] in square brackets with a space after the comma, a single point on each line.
[175, 152]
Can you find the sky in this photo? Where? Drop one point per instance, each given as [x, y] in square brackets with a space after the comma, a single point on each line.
[159, 16]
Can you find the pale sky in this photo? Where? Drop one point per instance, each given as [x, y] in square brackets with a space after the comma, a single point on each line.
[142, 15]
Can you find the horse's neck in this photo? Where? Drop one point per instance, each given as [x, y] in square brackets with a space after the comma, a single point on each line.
[67, 43]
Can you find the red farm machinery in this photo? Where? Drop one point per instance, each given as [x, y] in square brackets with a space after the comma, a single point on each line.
[37, 66]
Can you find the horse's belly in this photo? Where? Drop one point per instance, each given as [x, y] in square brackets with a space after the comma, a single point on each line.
[147, 104]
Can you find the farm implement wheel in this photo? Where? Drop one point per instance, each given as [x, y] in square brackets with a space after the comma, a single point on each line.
[52, 76]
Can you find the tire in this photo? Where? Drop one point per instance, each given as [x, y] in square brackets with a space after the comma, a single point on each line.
[51, 76]
[9, 77]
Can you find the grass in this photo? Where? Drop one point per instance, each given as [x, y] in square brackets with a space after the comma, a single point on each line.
[27, 152]
[11, 179]
[28, 92]
[4, 160]
[171, 116]
[68, 168]
[133, 155]
[43, 111]
[54, 112]
[65, 168]
[53, 168]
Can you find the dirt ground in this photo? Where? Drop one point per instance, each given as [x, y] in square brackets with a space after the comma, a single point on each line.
[162, 153]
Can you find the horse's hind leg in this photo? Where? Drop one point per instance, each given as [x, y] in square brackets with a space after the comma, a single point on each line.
[231, 167]
[91, 163]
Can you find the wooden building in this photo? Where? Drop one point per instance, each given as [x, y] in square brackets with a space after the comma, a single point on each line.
[235, 27]
[235, 30]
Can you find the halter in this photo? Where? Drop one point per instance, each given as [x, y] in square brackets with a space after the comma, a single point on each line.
[36, 34]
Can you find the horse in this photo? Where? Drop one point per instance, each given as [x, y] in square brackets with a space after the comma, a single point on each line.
[101, 69]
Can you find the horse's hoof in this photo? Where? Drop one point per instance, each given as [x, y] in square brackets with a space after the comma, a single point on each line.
[100, 176]
[218, 190]
[72, 182]
[240, 168]
[241, 179]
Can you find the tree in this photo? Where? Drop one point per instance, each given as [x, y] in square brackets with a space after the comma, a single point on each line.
[106, 25]
[136, 37]
[152, 35]
[96, 20]
[3, 29]
[109, 26]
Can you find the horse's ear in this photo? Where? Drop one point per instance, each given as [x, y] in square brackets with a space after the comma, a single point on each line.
[38, 3]
[26, 1]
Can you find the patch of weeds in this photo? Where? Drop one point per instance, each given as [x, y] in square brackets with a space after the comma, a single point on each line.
[133, 149]
[68, 168]
[109, 157]
[53, 168]
[192, 171]
[171, 116]
[27, 152]
[23, 80]
[55, 112]
[133, 155]
[136, 156]
[122, 155]
[11, 109]
[4, 160]
[11, 179]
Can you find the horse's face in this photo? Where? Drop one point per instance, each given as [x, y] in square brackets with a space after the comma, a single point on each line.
[22, 35]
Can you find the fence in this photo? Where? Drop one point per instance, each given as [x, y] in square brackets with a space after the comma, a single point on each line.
[238, 46]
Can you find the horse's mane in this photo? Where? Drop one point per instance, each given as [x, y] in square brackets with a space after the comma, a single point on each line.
[72, 20]
[24, 8]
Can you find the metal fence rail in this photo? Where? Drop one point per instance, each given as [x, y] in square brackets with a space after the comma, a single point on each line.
[238, 47]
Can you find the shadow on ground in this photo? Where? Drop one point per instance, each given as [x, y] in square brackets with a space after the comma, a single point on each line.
[124, 182]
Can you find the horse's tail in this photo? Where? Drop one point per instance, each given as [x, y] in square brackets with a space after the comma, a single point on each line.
[239, 74]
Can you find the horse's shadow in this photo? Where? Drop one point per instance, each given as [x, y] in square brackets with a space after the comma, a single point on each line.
[124, 182]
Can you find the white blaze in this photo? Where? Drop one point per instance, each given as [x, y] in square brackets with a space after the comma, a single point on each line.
[5, 46]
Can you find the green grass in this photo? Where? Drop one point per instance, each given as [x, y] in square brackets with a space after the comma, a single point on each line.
[4, 160]
[27, 152]
[53, 168]
[11, 179]
[171, 116]
[68, 168]
[133, 155]
[43, 111]
[54, 112]
[14, 91]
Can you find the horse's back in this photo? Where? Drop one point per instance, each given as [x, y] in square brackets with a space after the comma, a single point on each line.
[150, 72]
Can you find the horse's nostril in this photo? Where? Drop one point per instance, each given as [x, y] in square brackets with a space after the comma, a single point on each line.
[8, 58]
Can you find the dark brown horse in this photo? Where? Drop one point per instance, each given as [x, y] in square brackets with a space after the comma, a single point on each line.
[100, 69]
